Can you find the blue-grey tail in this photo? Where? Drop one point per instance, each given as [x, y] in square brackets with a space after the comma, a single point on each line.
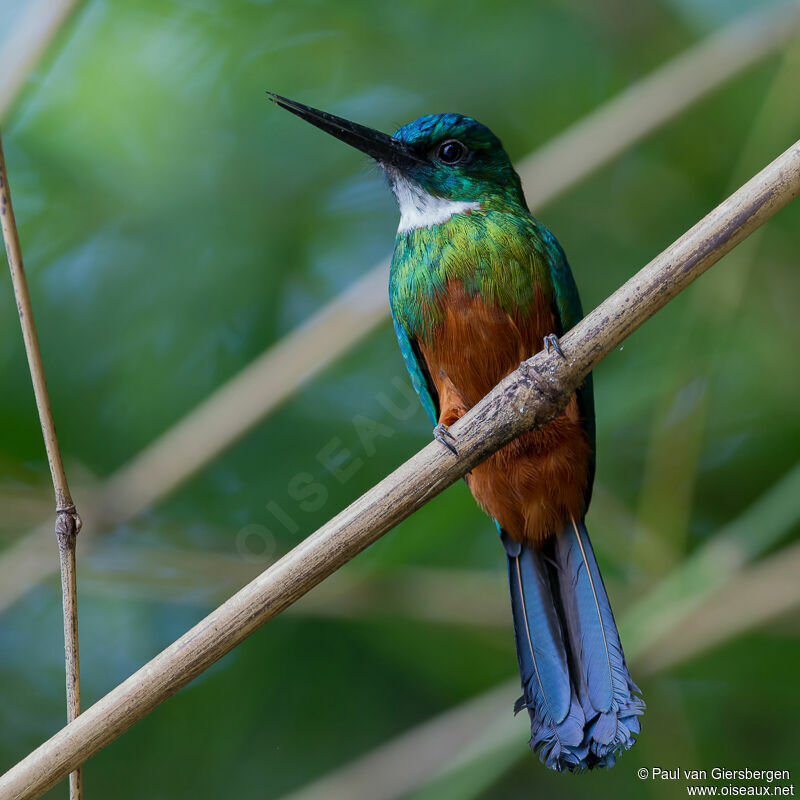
[582, 702]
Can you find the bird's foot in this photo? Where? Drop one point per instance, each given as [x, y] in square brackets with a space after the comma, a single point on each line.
[551, 341]
[442, 434]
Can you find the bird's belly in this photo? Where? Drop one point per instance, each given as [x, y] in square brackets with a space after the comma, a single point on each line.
[535, 483]
[476, 344]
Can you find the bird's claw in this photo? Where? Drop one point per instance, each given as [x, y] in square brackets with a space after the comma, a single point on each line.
[441, 433]
[551, 341]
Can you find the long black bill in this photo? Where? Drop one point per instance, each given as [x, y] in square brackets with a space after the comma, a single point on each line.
[374, 143]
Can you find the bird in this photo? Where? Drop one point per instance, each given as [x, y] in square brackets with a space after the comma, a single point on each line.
[477, 285]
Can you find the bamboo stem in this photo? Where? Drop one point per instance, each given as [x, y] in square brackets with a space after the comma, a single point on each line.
[529, 397]
[243, 401]
[547, 173]
[37, 27]
[68, 523]
[657, 98]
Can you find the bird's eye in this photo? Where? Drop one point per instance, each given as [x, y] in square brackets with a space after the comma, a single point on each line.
[451, 152]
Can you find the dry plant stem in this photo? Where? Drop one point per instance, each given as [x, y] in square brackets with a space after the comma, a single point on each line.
[68, 522]
[767, 589]
[547, 173]
[38, 25]
[383, 774]
[529, 397]
[66, 531]
[654, 100]
[270, 379]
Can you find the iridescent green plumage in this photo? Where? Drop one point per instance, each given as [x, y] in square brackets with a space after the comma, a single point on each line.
[501, 253]
[498, 255]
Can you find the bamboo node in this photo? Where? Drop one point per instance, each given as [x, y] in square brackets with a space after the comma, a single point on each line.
[68, 523]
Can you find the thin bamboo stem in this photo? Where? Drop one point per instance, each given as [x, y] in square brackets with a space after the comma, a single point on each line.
[656, 99]
[395, 768]
[675, 446]
[69, 599]
[757, 595]
[529, 397]
[38, 26]
[68, 523]
[241, 403]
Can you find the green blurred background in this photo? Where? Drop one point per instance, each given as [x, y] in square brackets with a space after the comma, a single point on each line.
[175, 223]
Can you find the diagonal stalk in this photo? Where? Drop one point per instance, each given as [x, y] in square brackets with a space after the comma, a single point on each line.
[242, 402]
[528, 398]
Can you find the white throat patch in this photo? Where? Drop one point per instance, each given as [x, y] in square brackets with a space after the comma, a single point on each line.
[418, 209]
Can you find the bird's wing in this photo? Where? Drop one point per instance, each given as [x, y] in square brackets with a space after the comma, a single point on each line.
[418, 370]
[569, 312]
[568, 308]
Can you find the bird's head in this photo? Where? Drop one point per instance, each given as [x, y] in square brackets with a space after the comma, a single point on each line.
[436, 165]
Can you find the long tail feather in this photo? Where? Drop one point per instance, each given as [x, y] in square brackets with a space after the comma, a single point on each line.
[582, 702]
[607, 691]
[557, 719]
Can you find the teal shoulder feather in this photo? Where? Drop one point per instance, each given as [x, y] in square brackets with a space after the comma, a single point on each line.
[420, 379]
[565, 293]
[570, 313]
